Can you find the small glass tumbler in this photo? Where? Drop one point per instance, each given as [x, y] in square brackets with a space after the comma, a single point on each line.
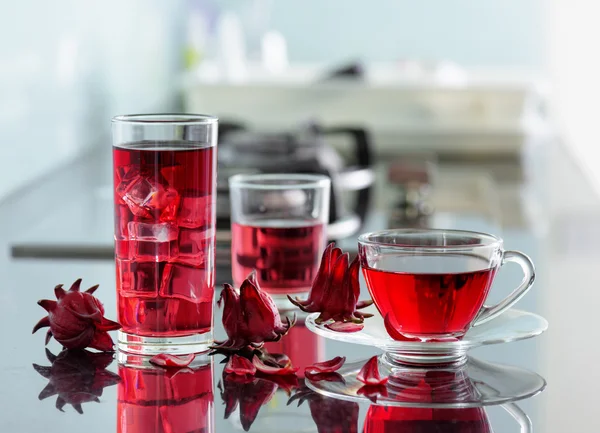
[164, 169]
[278, 225]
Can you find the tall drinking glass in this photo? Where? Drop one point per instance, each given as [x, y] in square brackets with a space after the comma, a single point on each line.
[164, 169]
[278, 225]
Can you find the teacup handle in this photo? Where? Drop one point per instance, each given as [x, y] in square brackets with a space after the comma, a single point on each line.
[488, 313]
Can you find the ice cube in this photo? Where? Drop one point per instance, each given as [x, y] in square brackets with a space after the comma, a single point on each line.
[122, 218]
[195, 246]
[153, 242]
[167, 201]
[139, 279]
[188, 283]
[146, 198]
[195, 211]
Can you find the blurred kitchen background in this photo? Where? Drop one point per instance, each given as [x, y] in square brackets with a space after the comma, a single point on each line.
[431, 113]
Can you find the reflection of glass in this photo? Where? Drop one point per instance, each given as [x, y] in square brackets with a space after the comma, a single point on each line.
[76, 377]
[164, 169]
[278, 224]
[152, 399]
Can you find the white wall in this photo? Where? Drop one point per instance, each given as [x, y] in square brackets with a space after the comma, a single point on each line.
[573, 33]
[67, 66]
[476, 33]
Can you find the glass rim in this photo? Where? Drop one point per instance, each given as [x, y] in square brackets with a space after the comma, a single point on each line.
[488, 240]
[304, 181]
[182, 119]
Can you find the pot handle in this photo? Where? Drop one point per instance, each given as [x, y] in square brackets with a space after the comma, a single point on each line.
[361, 139]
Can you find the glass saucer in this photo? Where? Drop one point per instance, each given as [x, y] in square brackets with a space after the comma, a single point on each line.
[474, 383]
[512, 325]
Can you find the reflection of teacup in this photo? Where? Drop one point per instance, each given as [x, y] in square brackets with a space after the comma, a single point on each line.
[438, 385]
[381, 419]
[431, 284]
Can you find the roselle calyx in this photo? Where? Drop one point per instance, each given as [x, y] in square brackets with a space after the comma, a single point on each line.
[250, 317]
[369, 373]
[329, 366]
[240, 366]
[166, 360]
[335, 291]
[76, 319]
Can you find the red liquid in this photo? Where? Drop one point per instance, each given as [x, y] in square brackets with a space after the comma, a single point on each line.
[428, 304]
[164, 238]
[382, 419]
[285, 254]
[153, 401]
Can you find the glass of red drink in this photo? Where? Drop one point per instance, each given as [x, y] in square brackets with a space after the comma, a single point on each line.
[164, 170]
[432, 284]
[278, 225]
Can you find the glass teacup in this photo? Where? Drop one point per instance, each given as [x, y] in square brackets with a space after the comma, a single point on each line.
[432, 284]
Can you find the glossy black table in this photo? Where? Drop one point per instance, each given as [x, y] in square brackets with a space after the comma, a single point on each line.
[560, 234]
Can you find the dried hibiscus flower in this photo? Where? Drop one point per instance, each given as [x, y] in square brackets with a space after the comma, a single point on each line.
[172, 361]
[250, 317]
[272, 369]
[240, 366]
[369, 374]
[326, 366]
[335, 291]
[326, 371]
[76, 319]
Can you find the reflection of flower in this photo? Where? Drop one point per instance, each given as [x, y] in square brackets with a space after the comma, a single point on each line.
[76, 376]
[76, 319]
[250, 393]
[250, 317]
[400, 419]
[334, 292]
[329, 414]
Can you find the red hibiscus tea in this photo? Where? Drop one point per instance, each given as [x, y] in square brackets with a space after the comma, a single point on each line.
[164, 239]
[156, 400]
[278, 229]
[418, 303]
[430, 284]
[164, 169]
[284, 253]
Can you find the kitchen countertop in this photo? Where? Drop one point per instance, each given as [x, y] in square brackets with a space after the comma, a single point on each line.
[558, 227]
